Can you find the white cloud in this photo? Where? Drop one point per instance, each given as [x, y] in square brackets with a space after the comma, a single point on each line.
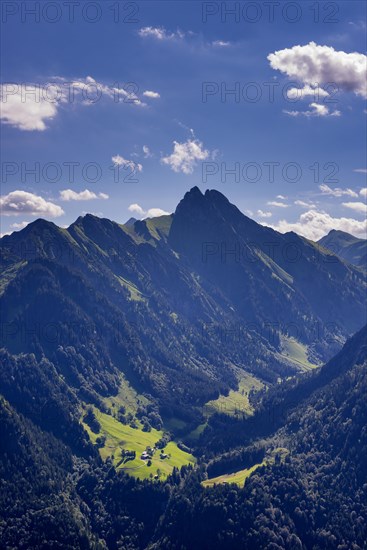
[337, 191]
[92, 91]
[150, 213]
[304, 204]
[151, 94]
[147, 152]
[136, 209]
[312, 64]
[357, 206]
[22, 202]
[20, 225]
[363, 192]
[263, 214]
[86, 195]
[156, 212]
[360, 170]
[314, 225]
[185, 156]
[30, 107]
[160, 33]
[277, 204]
[282, 197]
[23, 110]
[221, 43]
[118, 160]
[320, 110]
[316, 110]
[300, 93]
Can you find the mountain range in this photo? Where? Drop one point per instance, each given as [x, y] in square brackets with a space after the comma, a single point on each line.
[140, 359]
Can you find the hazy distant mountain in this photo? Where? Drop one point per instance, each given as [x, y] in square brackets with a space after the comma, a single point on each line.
[347, 247]
[130, 222]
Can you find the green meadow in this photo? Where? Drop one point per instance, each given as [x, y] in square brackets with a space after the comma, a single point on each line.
[237, 401]
[240, 476]
[296, 353]
[121, 437]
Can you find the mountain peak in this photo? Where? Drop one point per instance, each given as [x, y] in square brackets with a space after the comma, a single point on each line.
[194, 191]
[130, 222]
[195, 198]
[215, 195]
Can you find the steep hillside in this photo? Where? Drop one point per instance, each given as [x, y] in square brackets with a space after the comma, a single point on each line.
[166, 303]
[304, 485]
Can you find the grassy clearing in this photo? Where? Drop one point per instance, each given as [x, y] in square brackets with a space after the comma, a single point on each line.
[296, 353]
[236, 403]
[240, 477]
[195, 434]
[126, 397]
[135, 293]
[121, 437]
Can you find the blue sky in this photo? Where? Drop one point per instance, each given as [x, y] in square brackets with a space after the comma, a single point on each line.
[140, 102]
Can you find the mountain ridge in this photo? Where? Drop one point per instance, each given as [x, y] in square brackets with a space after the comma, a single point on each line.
[347, 247]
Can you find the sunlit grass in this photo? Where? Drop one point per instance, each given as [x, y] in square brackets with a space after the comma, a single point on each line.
[120, 436]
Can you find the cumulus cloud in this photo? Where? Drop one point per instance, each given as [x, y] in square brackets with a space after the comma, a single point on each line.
[363, 192]
[282, 197]
[299, 93]
[24, 110]
[313, 63]
[160, 33]
[185, 156]
[317, 109]
[359, 207]
[337, 191]
[22, 202]
[137, 210]
[118, 160]
[277, 204]
[315, 224]
[86, 195]
[151, 94]
[263, 214]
